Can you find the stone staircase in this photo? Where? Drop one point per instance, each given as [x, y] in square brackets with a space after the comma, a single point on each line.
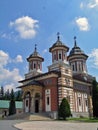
[28, 116]
[39, 117]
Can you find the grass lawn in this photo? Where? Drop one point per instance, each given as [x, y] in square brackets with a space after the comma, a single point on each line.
[83, 119]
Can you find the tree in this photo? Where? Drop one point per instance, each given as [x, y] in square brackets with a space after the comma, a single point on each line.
[2, 93]
[12, 107]
[64, 109]
[95, 98]
[19, 95]
[7, 95]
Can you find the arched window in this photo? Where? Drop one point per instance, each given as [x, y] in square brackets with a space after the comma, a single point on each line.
[79, 101]
[47, 100]
[79, 66]
[54, 56]
[59, 55]
[38, 66]
[73, 67]
[86, 102]
[30, 65]
[34, 65]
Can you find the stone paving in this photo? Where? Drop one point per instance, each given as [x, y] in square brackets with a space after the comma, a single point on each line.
[8, 124]
[56, 125]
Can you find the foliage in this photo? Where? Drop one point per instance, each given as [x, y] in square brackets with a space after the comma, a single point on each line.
[12, 107]
[7, 95]
[2, 93]
[64, 109]
[18, 96]
[95, 98]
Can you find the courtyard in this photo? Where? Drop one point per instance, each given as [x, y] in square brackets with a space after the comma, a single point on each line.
[56, 125]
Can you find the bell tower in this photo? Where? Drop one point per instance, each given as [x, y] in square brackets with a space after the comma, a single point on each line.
[60, 65]
[77, 59]
[59, 54]
[35, 64]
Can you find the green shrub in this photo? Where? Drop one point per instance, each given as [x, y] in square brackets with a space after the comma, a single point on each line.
[64, 109]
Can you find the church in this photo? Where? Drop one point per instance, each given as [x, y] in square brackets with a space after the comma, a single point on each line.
[67, 77]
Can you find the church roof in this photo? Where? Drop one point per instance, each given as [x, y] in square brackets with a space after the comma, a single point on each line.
[84, 77]
[58, 43]
[76, 50]
[44, 74]
[33, 82]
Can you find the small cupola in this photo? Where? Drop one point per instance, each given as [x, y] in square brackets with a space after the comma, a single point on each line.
[77, 50]
[77, 59]
[35, 61]
[59, 50]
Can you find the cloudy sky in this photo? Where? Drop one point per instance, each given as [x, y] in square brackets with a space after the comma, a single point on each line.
[24, 23]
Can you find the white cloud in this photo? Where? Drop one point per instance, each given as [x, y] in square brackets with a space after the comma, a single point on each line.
[25, 26]
[82, 23]
[4, 35]
[44, 51]
[10, 87]
[93, 4]
[9, 36]
[81, 5]
[18, 58]
[94, 57]
[8, 77]
[4, 57]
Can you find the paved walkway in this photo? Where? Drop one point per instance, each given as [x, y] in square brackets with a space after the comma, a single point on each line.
[56, 125]
[8, 124]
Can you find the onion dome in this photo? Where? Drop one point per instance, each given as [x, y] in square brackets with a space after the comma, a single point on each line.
[35, 55]
[58, 44]
[76, 50]
[77, 59]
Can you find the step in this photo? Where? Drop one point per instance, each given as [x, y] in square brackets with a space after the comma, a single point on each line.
[39, 117]
[28, 116]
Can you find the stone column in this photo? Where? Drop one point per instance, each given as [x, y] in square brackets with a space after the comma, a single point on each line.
[90, 107]
[23, 105]
[40, 105]
[32, 109]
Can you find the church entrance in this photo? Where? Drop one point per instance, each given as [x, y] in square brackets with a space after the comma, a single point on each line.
[36, 105]
[37, 102]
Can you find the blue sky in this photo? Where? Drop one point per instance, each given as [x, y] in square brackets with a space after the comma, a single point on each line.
[24, 23]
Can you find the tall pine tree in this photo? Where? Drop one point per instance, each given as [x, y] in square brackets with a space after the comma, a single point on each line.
[7, 95]
[95, 98]
[12, 107]
[19, 95]
[2, 93]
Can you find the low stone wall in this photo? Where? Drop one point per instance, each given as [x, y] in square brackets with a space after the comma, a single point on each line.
[80, 114]
[53, 115]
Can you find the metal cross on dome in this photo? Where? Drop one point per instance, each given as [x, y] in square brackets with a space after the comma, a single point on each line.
[58, 36]
[75, 37]
[35, 47]
[75, 43]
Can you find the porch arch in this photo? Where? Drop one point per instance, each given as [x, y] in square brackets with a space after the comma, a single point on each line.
[27, 101]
